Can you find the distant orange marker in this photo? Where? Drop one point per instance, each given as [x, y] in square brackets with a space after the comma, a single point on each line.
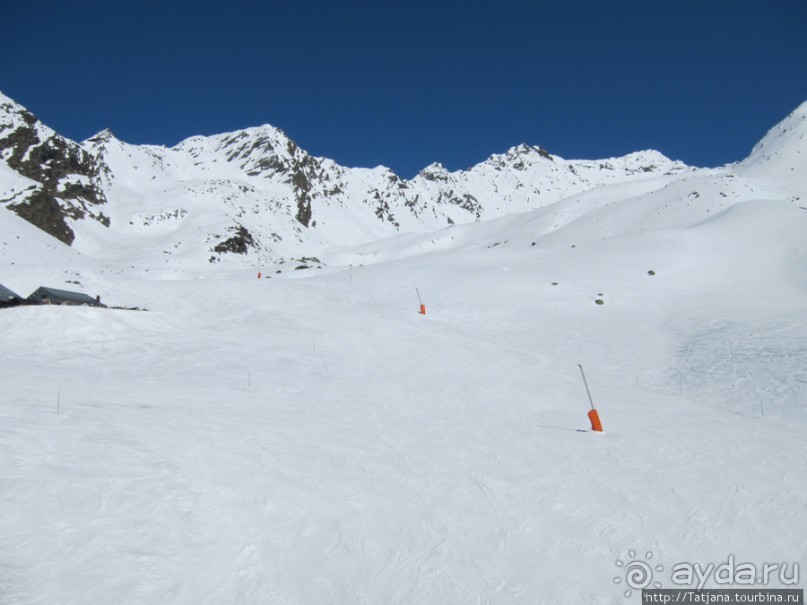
[420, 300]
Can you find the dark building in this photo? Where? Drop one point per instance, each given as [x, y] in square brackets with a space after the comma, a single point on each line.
[9, 298]
[52, 296]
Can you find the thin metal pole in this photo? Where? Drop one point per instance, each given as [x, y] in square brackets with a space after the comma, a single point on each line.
[420, 300]
[585, 382]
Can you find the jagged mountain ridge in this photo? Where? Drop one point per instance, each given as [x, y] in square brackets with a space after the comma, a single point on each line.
[256, 192]
[253, 197]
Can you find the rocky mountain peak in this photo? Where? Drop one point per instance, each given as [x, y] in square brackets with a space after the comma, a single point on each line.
[64, 171]
[100, 138]
[434, 172]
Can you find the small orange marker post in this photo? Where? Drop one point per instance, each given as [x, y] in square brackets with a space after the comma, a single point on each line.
[593, 416]
[422, 306]
[259, 274]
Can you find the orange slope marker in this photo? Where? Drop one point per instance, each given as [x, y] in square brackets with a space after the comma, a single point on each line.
[422, 306]
[593, 415]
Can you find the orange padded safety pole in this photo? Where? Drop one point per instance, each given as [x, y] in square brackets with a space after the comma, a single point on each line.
[593, 416]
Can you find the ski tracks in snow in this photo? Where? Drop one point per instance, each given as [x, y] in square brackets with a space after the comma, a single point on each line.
[750, 368]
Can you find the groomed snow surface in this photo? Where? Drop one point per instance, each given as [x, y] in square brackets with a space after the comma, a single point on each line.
[311, 438]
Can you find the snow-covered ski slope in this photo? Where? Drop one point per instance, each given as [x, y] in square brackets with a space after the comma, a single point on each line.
[311, 438]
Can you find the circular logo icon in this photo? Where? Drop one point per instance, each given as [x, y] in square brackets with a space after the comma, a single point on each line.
[637, 574]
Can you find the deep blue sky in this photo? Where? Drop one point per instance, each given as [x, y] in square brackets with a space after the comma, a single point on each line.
[408, 82]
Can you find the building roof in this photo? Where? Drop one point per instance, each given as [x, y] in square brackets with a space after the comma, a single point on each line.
[7, 295]
[75, 297]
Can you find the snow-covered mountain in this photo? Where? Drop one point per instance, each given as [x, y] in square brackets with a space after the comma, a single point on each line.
[780, 158]
[253, 197]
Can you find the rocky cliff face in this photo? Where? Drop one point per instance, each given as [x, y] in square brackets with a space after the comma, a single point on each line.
[66, 175]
